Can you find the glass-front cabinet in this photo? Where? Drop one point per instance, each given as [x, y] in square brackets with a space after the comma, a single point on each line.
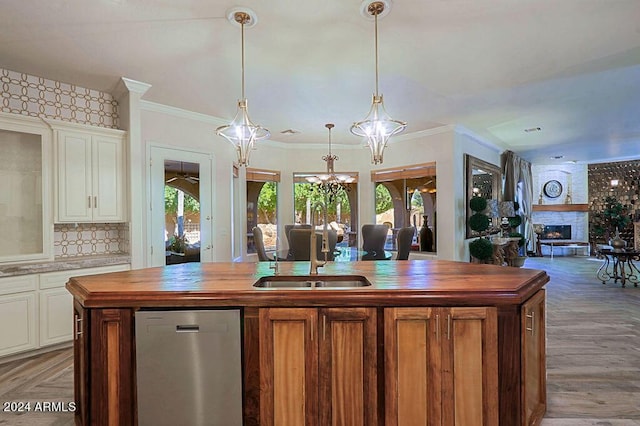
[25, 203]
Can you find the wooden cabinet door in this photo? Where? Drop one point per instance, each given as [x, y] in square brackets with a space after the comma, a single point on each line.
[470, 367]
[108, 179]
[534, 386]
[112, 373]
[288, 366]
[347, 367]
[412, 355]
[75, 193]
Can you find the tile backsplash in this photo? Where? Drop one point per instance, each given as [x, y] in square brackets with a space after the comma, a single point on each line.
[40, 97]
[90, 239]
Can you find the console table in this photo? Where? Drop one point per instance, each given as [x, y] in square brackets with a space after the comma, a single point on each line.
[619, 266]
[566, 244]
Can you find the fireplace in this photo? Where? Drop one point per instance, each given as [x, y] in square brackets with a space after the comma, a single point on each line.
[556, 232]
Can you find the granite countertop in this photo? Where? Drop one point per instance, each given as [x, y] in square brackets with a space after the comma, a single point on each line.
[63, 264]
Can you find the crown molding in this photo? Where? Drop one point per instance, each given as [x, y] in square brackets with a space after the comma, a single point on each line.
[478, 139]
[181, 113]
[127, 85]
[421, 133]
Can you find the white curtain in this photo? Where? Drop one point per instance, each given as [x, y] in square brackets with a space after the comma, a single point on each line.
[518, 186]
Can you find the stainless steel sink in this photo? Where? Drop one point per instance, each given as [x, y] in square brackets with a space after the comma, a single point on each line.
[320, 281]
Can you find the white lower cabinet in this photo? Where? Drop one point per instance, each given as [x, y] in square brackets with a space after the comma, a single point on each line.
[18, 314]
[37, 310]
[56, 318]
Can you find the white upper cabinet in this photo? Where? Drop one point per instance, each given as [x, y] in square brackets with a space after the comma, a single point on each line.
[25, 188]
[90, 179]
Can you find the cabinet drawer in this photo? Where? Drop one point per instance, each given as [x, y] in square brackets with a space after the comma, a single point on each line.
[59, 279]
[18, 284]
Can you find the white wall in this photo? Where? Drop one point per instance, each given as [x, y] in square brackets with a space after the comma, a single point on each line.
[446, 146]
[465, 143]
[169, 130]
[575, 181]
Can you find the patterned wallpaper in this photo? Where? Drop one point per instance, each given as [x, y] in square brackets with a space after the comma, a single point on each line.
[38, 97]
[90, 239]
[627, 190]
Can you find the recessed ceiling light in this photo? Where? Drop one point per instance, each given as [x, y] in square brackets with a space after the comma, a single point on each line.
[532, 129]
[290, 132]
[556, 157]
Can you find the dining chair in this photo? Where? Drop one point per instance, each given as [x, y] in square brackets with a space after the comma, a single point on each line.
[299, 240]
[374, 237]
[287, 230]
[259, 242]
[404, 240]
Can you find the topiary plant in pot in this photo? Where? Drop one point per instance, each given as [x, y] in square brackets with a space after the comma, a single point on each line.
[480, 248]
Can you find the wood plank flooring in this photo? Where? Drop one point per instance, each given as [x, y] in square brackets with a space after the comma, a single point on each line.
[593, 355]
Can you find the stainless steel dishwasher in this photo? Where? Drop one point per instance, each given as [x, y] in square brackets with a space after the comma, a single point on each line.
[188, 367]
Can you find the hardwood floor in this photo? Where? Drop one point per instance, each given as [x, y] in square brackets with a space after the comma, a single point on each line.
[593, 355]
[42, 378]
[593, 346]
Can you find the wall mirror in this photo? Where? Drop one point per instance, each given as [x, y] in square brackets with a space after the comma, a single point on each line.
[482, 179]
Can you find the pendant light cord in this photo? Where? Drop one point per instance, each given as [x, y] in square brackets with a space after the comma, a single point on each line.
[376, 43]
[242, 64]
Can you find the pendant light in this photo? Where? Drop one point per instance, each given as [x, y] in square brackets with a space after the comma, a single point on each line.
[331, 184]
[242, 132]
[378, 126]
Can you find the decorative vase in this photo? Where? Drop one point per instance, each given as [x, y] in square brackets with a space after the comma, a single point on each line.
[426, 236]
[617, 243]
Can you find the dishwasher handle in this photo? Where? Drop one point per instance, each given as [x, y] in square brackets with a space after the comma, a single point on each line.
[190, 328]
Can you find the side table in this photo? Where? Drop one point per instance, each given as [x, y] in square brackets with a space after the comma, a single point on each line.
[619, 266]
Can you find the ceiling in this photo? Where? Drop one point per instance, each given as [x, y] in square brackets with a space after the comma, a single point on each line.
[495, 67]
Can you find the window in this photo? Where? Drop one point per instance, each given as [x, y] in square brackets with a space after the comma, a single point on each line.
[182, 211]
[405, 197]
[342, 212]
[262, 206]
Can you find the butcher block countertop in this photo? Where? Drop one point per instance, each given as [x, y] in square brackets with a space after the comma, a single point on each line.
[393, 283]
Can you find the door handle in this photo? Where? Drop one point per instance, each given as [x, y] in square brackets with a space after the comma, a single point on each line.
[77, 325]
[532, 316]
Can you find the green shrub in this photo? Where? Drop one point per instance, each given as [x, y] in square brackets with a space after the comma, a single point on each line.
[481, 248]
[479, 222]
[515, 221]
[478, 204]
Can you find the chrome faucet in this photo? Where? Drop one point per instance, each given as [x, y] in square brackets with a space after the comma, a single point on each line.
[274, 266]
[315, 263]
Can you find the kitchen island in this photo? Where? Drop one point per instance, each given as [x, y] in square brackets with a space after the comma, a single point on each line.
[434, 342]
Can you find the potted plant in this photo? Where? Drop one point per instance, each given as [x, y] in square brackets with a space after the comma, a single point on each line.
[514, 222]
[608, 223]
[481, 248]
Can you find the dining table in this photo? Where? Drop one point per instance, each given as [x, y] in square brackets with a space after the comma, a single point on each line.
[343, 254]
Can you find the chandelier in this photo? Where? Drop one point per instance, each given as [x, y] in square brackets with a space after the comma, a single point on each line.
[331, 184]
[378, 126]
[242, 132]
